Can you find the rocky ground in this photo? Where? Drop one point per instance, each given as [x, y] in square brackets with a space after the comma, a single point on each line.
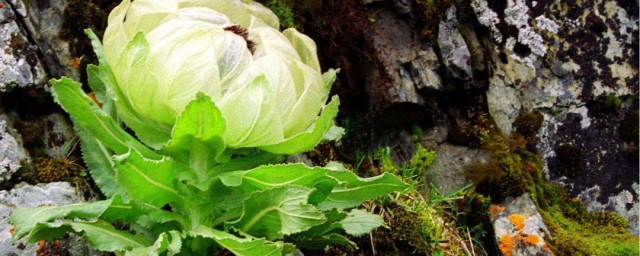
[534, 103]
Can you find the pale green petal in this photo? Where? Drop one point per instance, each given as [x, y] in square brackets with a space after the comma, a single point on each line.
[114, 36]
[131, 69]
[263, 13]
[269, 40]
[305, 47]
[251, 119]
[307, 140]
[234, 62]
[281, 82]
[181, 57]
[309, 87]
[145, 15]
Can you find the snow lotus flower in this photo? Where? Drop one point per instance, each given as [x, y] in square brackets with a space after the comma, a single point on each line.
[266, 83]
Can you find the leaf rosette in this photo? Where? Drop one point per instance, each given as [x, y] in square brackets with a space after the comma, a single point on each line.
[216, 95]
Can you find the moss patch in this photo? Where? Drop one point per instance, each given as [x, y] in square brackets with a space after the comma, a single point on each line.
[284, 9]
[514, 170]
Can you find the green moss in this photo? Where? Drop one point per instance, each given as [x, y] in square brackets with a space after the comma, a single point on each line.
[612, 102]
[56, 169]
[528, 125]
[514, 170]
[31, 132]
[284, 10]
[430, 12]
[422, 159]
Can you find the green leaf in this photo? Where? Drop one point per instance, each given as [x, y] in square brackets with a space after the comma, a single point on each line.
[136, 51]
[149, 181]
[99, 89]
[158, 247]
[277, 212]
[98, 159]
[239, 246]
[307, 140]
[360, 222]
[270, 176]
[94, 120]
[101, 235]
[97, 45]
[25, 218]
[197, 137]
[170, 242]
[136, 212]
[321, 242]
[356, 190]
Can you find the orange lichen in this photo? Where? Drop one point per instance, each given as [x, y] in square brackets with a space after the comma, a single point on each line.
[11, 230]
[495, 210]
[517, 220]
[75, 62]
[532, 240]
[507, 244]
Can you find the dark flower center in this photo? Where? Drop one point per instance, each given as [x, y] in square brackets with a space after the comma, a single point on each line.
[244, 34]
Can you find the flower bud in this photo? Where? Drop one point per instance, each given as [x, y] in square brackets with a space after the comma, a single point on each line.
[266, 83]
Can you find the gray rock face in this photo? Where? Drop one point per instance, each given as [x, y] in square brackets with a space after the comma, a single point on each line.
[566, 67]
[404, 64]
[19, 62]
[450, 168]
[23, 195]
[44, 19]
[519, 228]
[455, 53]
[618, 203]
[12, 154]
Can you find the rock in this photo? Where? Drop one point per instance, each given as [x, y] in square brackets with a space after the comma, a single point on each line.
[404, 64]
[59, 138]
[44, 20]
[23, 195]
[623, 203]
[519, 228]
[455, 53]
[504, 105]
[448, 172]
[19, 62]
[12, 154]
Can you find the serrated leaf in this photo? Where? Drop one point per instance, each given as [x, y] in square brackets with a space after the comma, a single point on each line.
[101, 235]
[239, 246]
[360, 222]
[170, 242]
[321, 242]
[332, 225]
[306, 141]
[94, 120]
[25, 218]
[277, 212]
[136, 212]
[158, 247]
[270, 176]
[197, 136]
[98, 159]
[99, 89]
[356, 190]
[149, 181]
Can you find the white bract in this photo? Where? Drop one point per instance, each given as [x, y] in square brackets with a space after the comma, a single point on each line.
[266, 83]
